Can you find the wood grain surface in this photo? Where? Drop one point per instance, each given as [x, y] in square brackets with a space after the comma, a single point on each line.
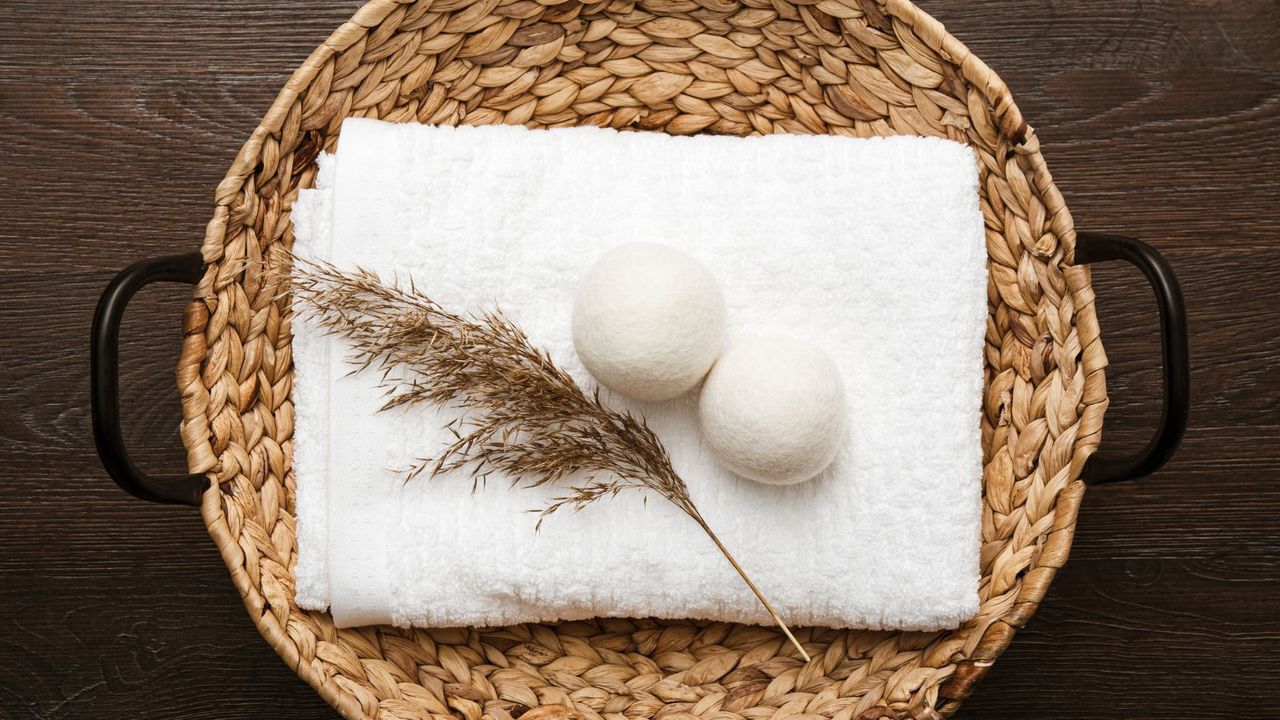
[1159, 119]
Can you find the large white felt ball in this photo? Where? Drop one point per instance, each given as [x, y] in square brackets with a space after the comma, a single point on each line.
[648, 321]
[772, 409]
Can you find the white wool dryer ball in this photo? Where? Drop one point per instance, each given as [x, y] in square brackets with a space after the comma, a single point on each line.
[772, 409]
[648, 321]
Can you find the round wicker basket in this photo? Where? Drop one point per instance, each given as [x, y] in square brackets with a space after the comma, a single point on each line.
[854, 67]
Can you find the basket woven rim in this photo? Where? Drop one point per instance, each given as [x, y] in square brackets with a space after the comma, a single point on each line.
[201, 426]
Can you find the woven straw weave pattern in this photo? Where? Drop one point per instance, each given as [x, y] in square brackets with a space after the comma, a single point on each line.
[854, 67]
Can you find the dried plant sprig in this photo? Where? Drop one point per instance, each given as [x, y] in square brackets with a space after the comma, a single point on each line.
[523, 415]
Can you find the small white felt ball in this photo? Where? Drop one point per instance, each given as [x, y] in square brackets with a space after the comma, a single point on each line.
[772, 409]
[648, 321]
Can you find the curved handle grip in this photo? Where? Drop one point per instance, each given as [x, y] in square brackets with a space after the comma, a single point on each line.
[1096, 247]
[104, 379]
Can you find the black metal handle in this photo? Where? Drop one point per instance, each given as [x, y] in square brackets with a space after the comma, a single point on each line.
[104, 379]
[1096, 247]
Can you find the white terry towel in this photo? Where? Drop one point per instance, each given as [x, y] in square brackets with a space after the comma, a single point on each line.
[874, 249]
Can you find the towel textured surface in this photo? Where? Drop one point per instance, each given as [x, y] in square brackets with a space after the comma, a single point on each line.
[873, 249]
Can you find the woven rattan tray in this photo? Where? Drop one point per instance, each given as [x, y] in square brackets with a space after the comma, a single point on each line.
[853, 67]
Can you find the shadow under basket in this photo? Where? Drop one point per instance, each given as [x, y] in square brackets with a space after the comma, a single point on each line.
[849, 67]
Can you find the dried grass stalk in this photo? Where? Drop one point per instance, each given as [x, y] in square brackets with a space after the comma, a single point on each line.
[524, 416]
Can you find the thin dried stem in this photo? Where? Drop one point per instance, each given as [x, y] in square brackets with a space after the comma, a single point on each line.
[523, 416]
[743, 574]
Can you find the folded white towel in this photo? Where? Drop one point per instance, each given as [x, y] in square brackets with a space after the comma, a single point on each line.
[874, 249]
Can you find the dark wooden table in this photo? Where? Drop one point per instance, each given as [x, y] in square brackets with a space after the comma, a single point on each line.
[1159, 119]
